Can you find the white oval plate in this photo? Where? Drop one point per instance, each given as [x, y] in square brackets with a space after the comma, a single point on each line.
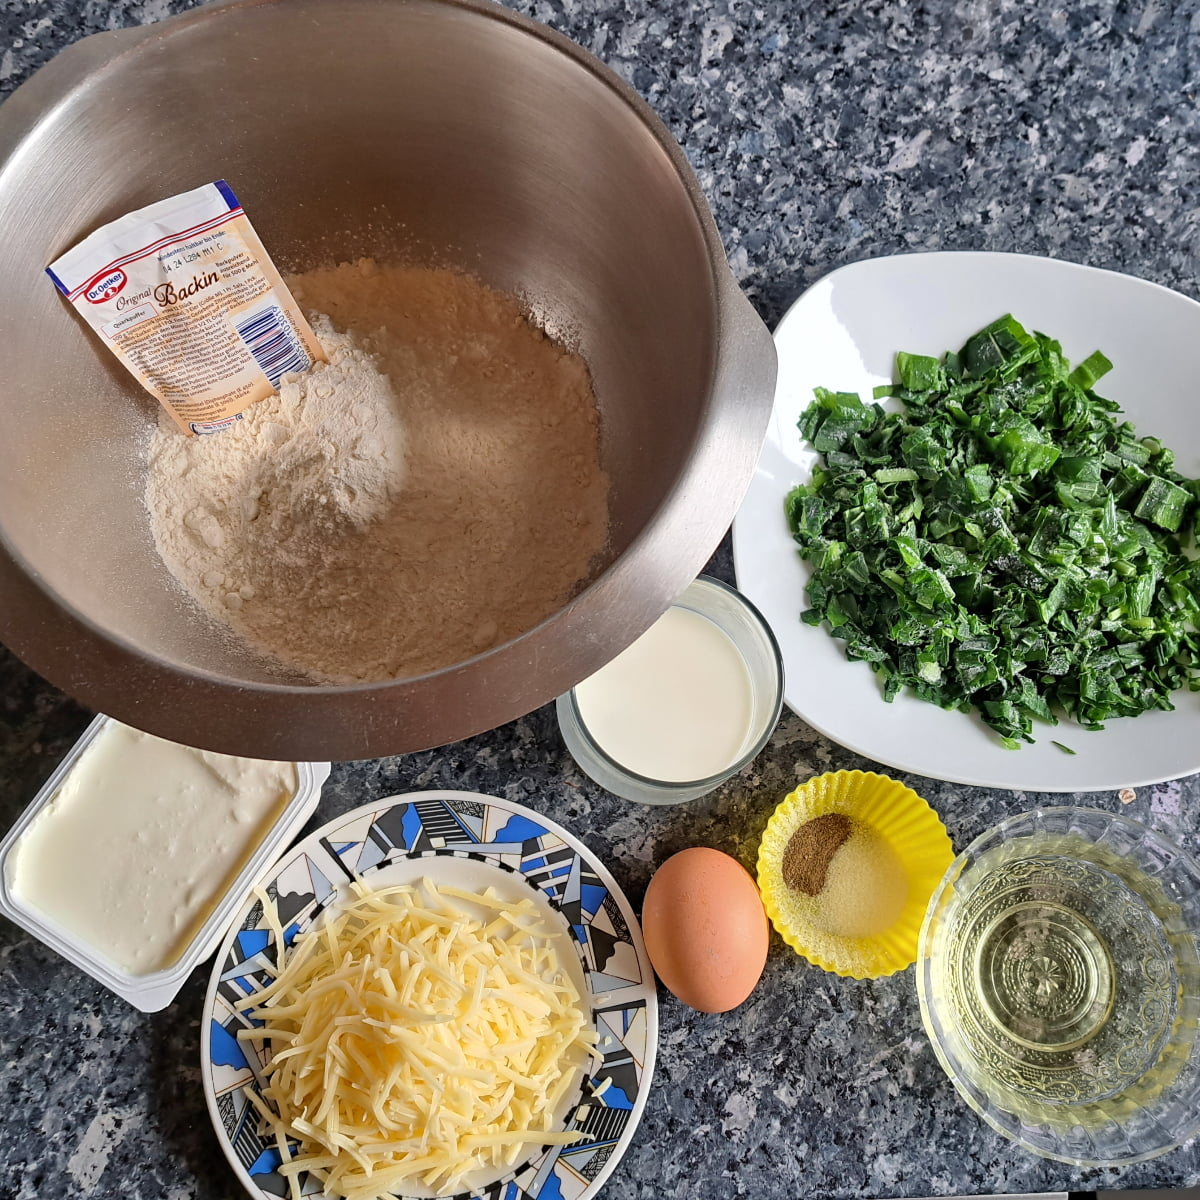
[843, 333]
[471, 841]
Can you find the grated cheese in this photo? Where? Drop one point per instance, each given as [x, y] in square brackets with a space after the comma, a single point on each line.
[410, 1041]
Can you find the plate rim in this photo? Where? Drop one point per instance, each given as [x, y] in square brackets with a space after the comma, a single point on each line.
[647, 990]
[781, 334]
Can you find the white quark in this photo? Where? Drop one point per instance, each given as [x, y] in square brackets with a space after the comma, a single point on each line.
[676, 705]
[142, 839]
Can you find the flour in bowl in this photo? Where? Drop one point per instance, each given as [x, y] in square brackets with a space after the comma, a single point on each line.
[433, 490]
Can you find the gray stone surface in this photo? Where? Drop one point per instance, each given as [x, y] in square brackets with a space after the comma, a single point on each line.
[823, 133]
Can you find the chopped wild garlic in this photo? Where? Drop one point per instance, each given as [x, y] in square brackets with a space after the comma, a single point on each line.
[1003, 542]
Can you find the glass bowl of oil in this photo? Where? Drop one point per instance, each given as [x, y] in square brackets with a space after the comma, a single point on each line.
[1059, 982]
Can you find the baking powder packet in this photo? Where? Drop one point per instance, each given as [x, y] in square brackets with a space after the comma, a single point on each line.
[186, 296]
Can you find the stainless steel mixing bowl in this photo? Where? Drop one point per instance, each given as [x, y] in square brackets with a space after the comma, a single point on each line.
[359, 126]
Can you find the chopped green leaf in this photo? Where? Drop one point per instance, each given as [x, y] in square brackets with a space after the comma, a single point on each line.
[997, 346]
[1091, 369]
[1023, 448]
[919, 373]
[1164, 503]
[895, 475]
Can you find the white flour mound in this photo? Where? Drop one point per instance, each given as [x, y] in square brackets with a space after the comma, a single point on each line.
[433, 490]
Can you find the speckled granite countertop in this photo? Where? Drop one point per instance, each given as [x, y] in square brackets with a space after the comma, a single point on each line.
[823, 133]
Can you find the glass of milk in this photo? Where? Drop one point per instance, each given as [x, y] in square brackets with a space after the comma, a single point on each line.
[689, 704]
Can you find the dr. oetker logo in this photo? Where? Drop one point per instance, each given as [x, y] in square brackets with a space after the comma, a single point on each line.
[105, 286]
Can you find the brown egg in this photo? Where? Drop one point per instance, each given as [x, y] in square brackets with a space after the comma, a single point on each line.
[705, 929]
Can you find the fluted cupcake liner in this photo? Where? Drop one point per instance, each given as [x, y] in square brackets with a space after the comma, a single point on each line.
[897, 816]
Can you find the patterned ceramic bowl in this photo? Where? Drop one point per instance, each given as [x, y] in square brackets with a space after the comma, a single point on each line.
[472, 842]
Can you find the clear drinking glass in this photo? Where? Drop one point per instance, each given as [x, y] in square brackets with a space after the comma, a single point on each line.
[745, 626]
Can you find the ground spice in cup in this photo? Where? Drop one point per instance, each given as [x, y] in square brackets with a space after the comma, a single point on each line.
[810, 850]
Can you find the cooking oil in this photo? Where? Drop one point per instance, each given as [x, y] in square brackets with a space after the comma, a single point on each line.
[1061, 979]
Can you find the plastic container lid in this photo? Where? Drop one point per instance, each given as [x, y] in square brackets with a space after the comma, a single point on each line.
[152, 991]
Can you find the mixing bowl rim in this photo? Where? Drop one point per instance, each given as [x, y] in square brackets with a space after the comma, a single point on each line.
[134, 37]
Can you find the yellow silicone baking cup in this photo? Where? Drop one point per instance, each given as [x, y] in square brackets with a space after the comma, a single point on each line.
[894, 813]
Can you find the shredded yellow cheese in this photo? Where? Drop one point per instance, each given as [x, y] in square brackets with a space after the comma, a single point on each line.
[410, 1040]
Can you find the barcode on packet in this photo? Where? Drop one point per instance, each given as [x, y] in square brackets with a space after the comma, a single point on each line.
[269, 337]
